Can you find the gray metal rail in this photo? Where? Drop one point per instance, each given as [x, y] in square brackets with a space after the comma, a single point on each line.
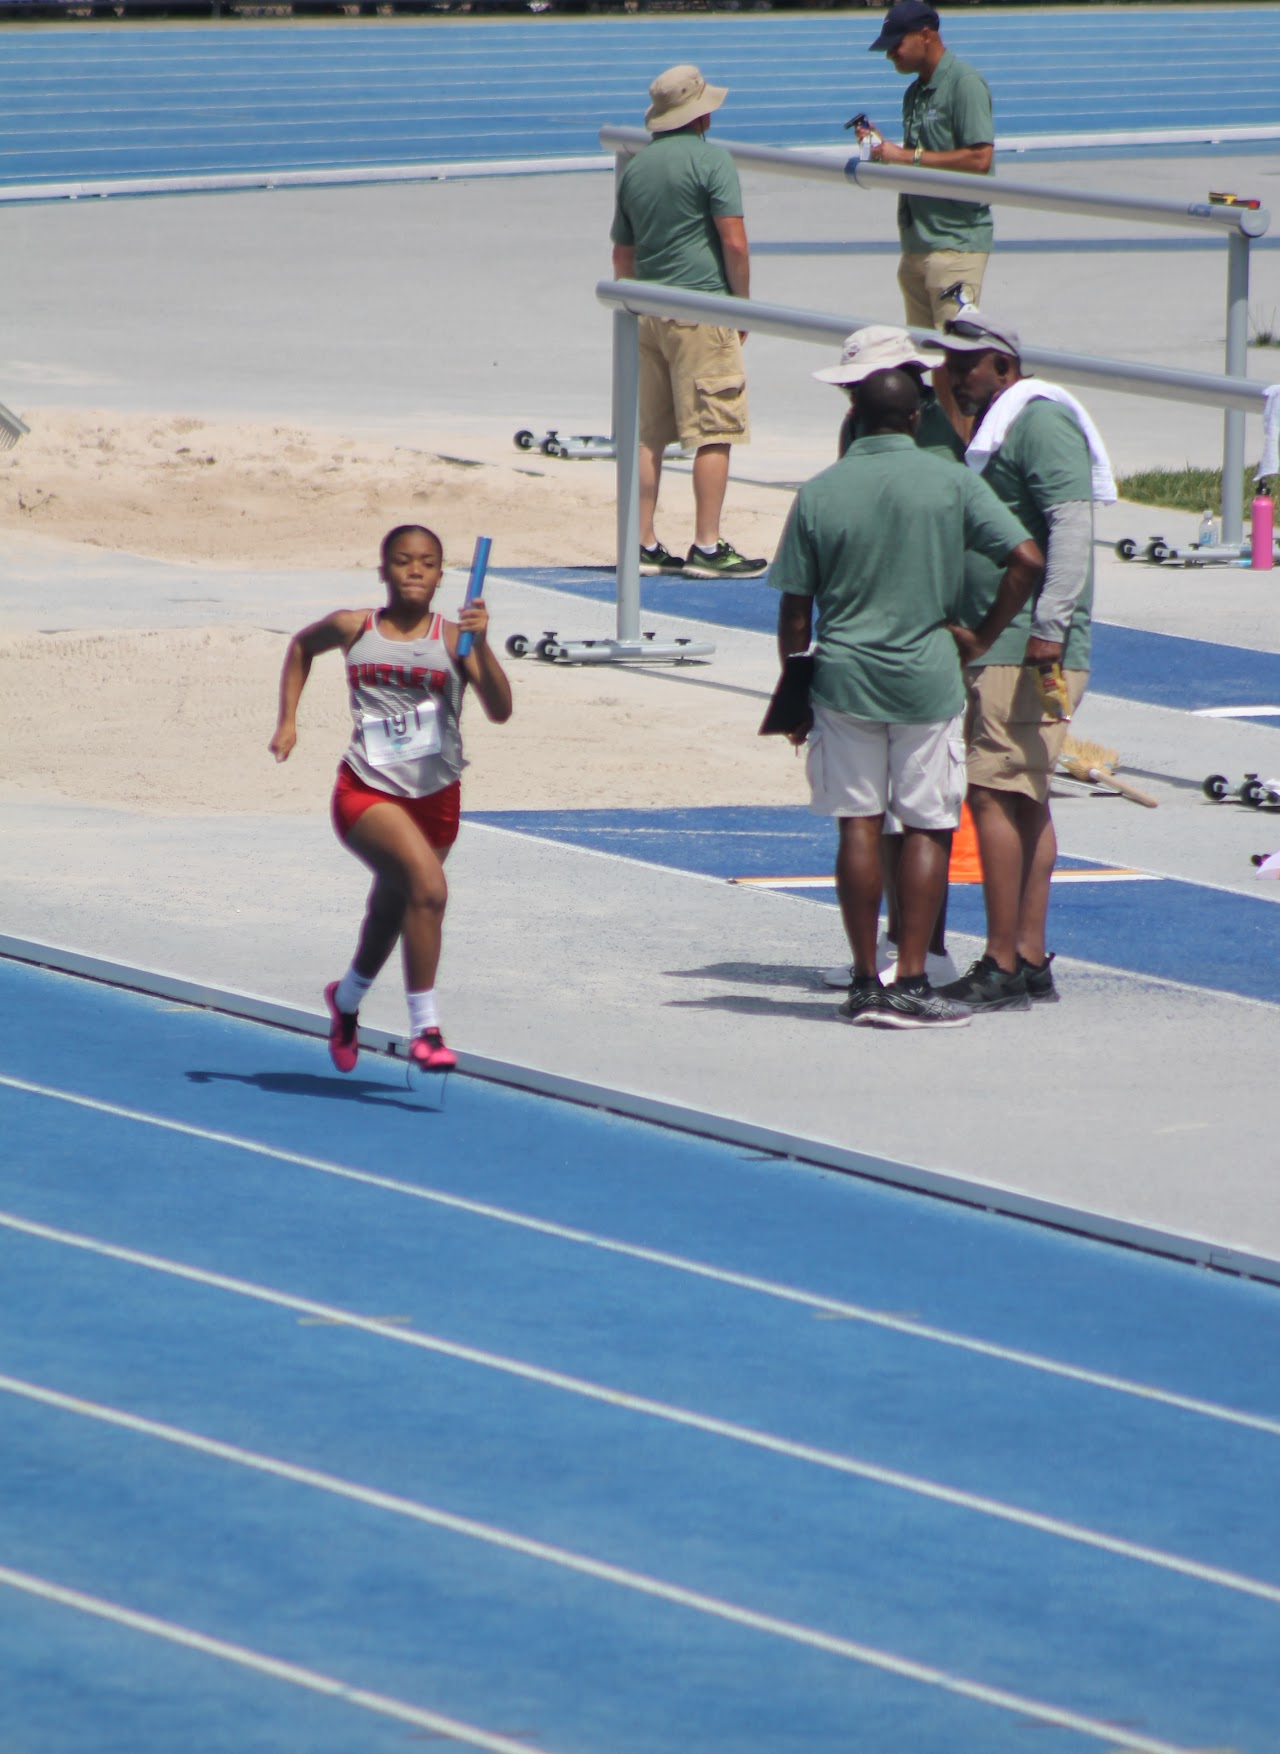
[1239, 224]
[631, 299]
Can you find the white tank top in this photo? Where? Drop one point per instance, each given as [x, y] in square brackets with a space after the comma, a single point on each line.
[406, 696]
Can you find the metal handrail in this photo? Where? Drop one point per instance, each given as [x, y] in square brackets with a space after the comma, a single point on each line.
[649, 298]
[837, 166]
[1240, 224]
[632, 299]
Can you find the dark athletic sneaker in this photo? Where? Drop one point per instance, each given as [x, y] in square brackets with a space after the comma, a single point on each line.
[658, 559]
[865, 1000]
[725, 563]
[1039, 979]
[343, 1047]
[986, 987]
[915, 1005]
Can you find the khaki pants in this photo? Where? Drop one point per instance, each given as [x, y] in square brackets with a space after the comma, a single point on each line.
[924, 279]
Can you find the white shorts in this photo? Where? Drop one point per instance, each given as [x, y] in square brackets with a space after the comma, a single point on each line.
[861, 767]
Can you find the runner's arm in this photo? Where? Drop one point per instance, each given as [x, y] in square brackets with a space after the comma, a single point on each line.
[336, 630]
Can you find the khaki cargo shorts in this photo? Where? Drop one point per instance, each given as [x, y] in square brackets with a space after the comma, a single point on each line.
[1013, 747]
[924, 278]
[693, 388]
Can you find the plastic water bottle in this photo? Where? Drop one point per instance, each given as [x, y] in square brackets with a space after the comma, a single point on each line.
[1208, 534]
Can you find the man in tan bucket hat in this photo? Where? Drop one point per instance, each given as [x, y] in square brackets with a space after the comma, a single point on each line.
[678, 220]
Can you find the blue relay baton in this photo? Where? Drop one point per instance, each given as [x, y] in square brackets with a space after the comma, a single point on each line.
[475, 585]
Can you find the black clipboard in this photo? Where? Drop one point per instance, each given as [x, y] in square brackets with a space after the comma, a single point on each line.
[789, 707]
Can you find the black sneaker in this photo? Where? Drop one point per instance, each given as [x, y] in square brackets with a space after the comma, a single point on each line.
[1039, 979]
[659, 559]
[913, 1004]
[725, 563]
[987, 987]
[865, 1000]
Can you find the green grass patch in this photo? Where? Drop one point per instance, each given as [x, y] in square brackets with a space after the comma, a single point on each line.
[1183, 490]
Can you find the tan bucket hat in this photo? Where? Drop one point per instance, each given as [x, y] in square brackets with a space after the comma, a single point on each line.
[878, 347]
[680, 96]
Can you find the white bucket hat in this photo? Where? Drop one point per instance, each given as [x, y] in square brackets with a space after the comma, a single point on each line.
[878, 348]
[680, 96]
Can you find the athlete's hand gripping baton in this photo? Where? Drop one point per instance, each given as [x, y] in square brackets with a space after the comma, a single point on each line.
[475, 585]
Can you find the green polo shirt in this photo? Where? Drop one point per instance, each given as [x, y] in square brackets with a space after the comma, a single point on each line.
[878, 541]
[1043, 462]
[952, 110]
[669, 198]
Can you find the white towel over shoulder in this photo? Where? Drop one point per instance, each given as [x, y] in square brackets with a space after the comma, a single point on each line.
[1005, 410]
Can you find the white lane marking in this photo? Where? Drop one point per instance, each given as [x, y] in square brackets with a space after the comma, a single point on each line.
[450, 1727]
[678, 1263]
[1108, 874]
[870, 1656]
[832, 1460]
[1235, 712]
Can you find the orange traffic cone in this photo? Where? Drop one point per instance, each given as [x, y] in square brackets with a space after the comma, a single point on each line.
[966, 861]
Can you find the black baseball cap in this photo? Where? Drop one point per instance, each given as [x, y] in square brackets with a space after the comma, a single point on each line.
[904, 17]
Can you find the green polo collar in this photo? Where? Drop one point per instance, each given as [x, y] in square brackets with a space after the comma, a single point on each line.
[883, 441]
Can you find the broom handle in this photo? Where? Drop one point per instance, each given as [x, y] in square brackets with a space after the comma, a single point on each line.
[1105, 777]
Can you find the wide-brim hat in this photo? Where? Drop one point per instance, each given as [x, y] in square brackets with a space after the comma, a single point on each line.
[878, 348]
[970, 331]
[679, 96]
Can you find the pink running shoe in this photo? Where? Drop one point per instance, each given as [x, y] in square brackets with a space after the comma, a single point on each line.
[428, 1053]
[344, 1051]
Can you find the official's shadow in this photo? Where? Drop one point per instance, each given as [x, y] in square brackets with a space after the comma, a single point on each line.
[755, 974]
[312, 1084]
[751, 1005]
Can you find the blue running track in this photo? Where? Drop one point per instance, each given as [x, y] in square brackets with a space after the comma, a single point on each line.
[103, 102]
[337, 1419]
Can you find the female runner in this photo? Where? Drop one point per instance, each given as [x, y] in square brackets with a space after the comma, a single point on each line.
[396, 801]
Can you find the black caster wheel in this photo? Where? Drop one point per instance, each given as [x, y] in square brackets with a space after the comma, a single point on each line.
[1216, 787]
[524, 439]
[1158, 551]
[1253, 792]
[548, 648]
[1126, 547]
[517, 645]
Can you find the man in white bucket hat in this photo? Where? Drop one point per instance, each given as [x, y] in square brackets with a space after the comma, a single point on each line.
[880, 347]
[678, 219]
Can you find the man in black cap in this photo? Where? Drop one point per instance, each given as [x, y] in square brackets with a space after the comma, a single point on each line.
[1040, 453]
[946, 125]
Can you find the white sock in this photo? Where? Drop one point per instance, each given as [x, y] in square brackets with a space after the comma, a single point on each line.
[703, 550]
[351, 991]
[422, 1011]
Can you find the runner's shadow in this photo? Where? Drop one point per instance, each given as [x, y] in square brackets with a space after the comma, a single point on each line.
[311, 1084]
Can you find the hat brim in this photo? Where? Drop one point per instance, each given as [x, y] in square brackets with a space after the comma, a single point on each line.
[708, 99]
[927, 358]
[888, 39]
[980, 344]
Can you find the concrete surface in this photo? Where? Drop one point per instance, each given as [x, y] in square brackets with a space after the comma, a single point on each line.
[1141, 1101]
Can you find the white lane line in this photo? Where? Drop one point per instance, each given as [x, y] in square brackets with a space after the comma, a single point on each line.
[452, 1728]
[1235, 712]
[832, 1460]
[678, 1263]
[869, 1656]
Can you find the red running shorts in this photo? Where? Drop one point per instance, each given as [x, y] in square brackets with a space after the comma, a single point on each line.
[436, 815]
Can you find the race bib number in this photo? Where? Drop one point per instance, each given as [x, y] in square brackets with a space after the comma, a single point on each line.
[406, 736]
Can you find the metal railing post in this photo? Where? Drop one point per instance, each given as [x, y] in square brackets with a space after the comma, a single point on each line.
[1237, 365]
[626, 434]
